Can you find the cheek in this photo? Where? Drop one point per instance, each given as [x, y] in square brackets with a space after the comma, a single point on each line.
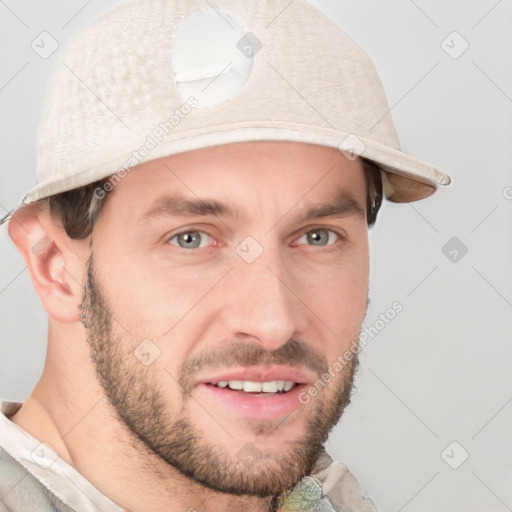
[342, 299]
[337, 295]
[152, 300]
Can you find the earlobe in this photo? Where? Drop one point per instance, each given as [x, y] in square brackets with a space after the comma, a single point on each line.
[47, 252]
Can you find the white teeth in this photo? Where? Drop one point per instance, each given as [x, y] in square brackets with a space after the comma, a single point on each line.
[236, 384]
[288, 385]
[269, 387]
[252, 387]
[248, 386]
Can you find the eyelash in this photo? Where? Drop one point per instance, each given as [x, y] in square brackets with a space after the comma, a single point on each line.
[325, 248]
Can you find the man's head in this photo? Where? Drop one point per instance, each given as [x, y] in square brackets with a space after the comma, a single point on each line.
[199, 230]
[241, 264]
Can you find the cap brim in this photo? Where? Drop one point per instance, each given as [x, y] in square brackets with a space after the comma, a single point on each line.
[408, 179]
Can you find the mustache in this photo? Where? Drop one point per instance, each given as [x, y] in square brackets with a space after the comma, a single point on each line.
[292, 353]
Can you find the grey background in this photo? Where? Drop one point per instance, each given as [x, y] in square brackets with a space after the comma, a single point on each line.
[439, 372]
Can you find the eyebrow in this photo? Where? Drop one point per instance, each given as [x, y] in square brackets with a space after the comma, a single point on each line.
[344, 205]
[179, 206]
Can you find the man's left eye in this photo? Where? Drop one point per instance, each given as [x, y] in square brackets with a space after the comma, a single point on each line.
[191, 240]
[319, 237]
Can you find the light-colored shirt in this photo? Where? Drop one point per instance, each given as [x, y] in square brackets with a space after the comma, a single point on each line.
[34, 477]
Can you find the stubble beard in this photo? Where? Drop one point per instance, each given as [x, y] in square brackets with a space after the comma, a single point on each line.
[135, 395]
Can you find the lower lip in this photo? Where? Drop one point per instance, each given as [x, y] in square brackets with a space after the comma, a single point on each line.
[256, 406]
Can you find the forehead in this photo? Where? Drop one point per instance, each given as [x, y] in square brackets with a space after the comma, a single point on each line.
[277, 173]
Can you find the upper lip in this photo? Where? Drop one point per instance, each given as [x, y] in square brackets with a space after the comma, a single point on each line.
[258, 374]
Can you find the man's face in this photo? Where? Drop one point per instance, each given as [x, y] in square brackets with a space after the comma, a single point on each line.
[240, 266]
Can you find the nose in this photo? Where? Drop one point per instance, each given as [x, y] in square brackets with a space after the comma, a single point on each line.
[261, 305]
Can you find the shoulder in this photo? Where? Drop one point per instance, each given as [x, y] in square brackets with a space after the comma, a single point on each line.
[341, 486]
[21, 491]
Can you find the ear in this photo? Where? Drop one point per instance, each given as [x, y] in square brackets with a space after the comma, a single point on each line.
[56, 267]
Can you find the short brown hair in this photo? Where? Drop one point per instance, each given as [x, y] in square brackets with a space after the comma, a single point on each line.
[79, 208]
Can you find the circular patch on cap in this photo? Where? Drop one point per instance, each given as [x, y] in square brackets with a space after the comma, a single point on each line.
[208, 60]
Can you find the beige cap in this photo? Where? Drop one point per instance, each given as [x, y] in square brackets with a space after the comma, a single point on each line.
[158, 77]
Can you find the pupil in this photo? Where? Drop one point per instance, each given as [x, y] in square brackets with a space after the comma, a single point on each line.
[190, 240]
[318, 237]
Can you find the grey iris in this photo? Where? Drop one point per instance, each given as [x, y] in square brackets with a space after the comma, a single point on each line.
[318, 237]
[191, 240]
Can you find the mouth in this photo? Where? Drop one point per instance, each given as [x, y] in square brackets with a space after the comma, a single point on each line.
[258, 393]
[271, 387]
